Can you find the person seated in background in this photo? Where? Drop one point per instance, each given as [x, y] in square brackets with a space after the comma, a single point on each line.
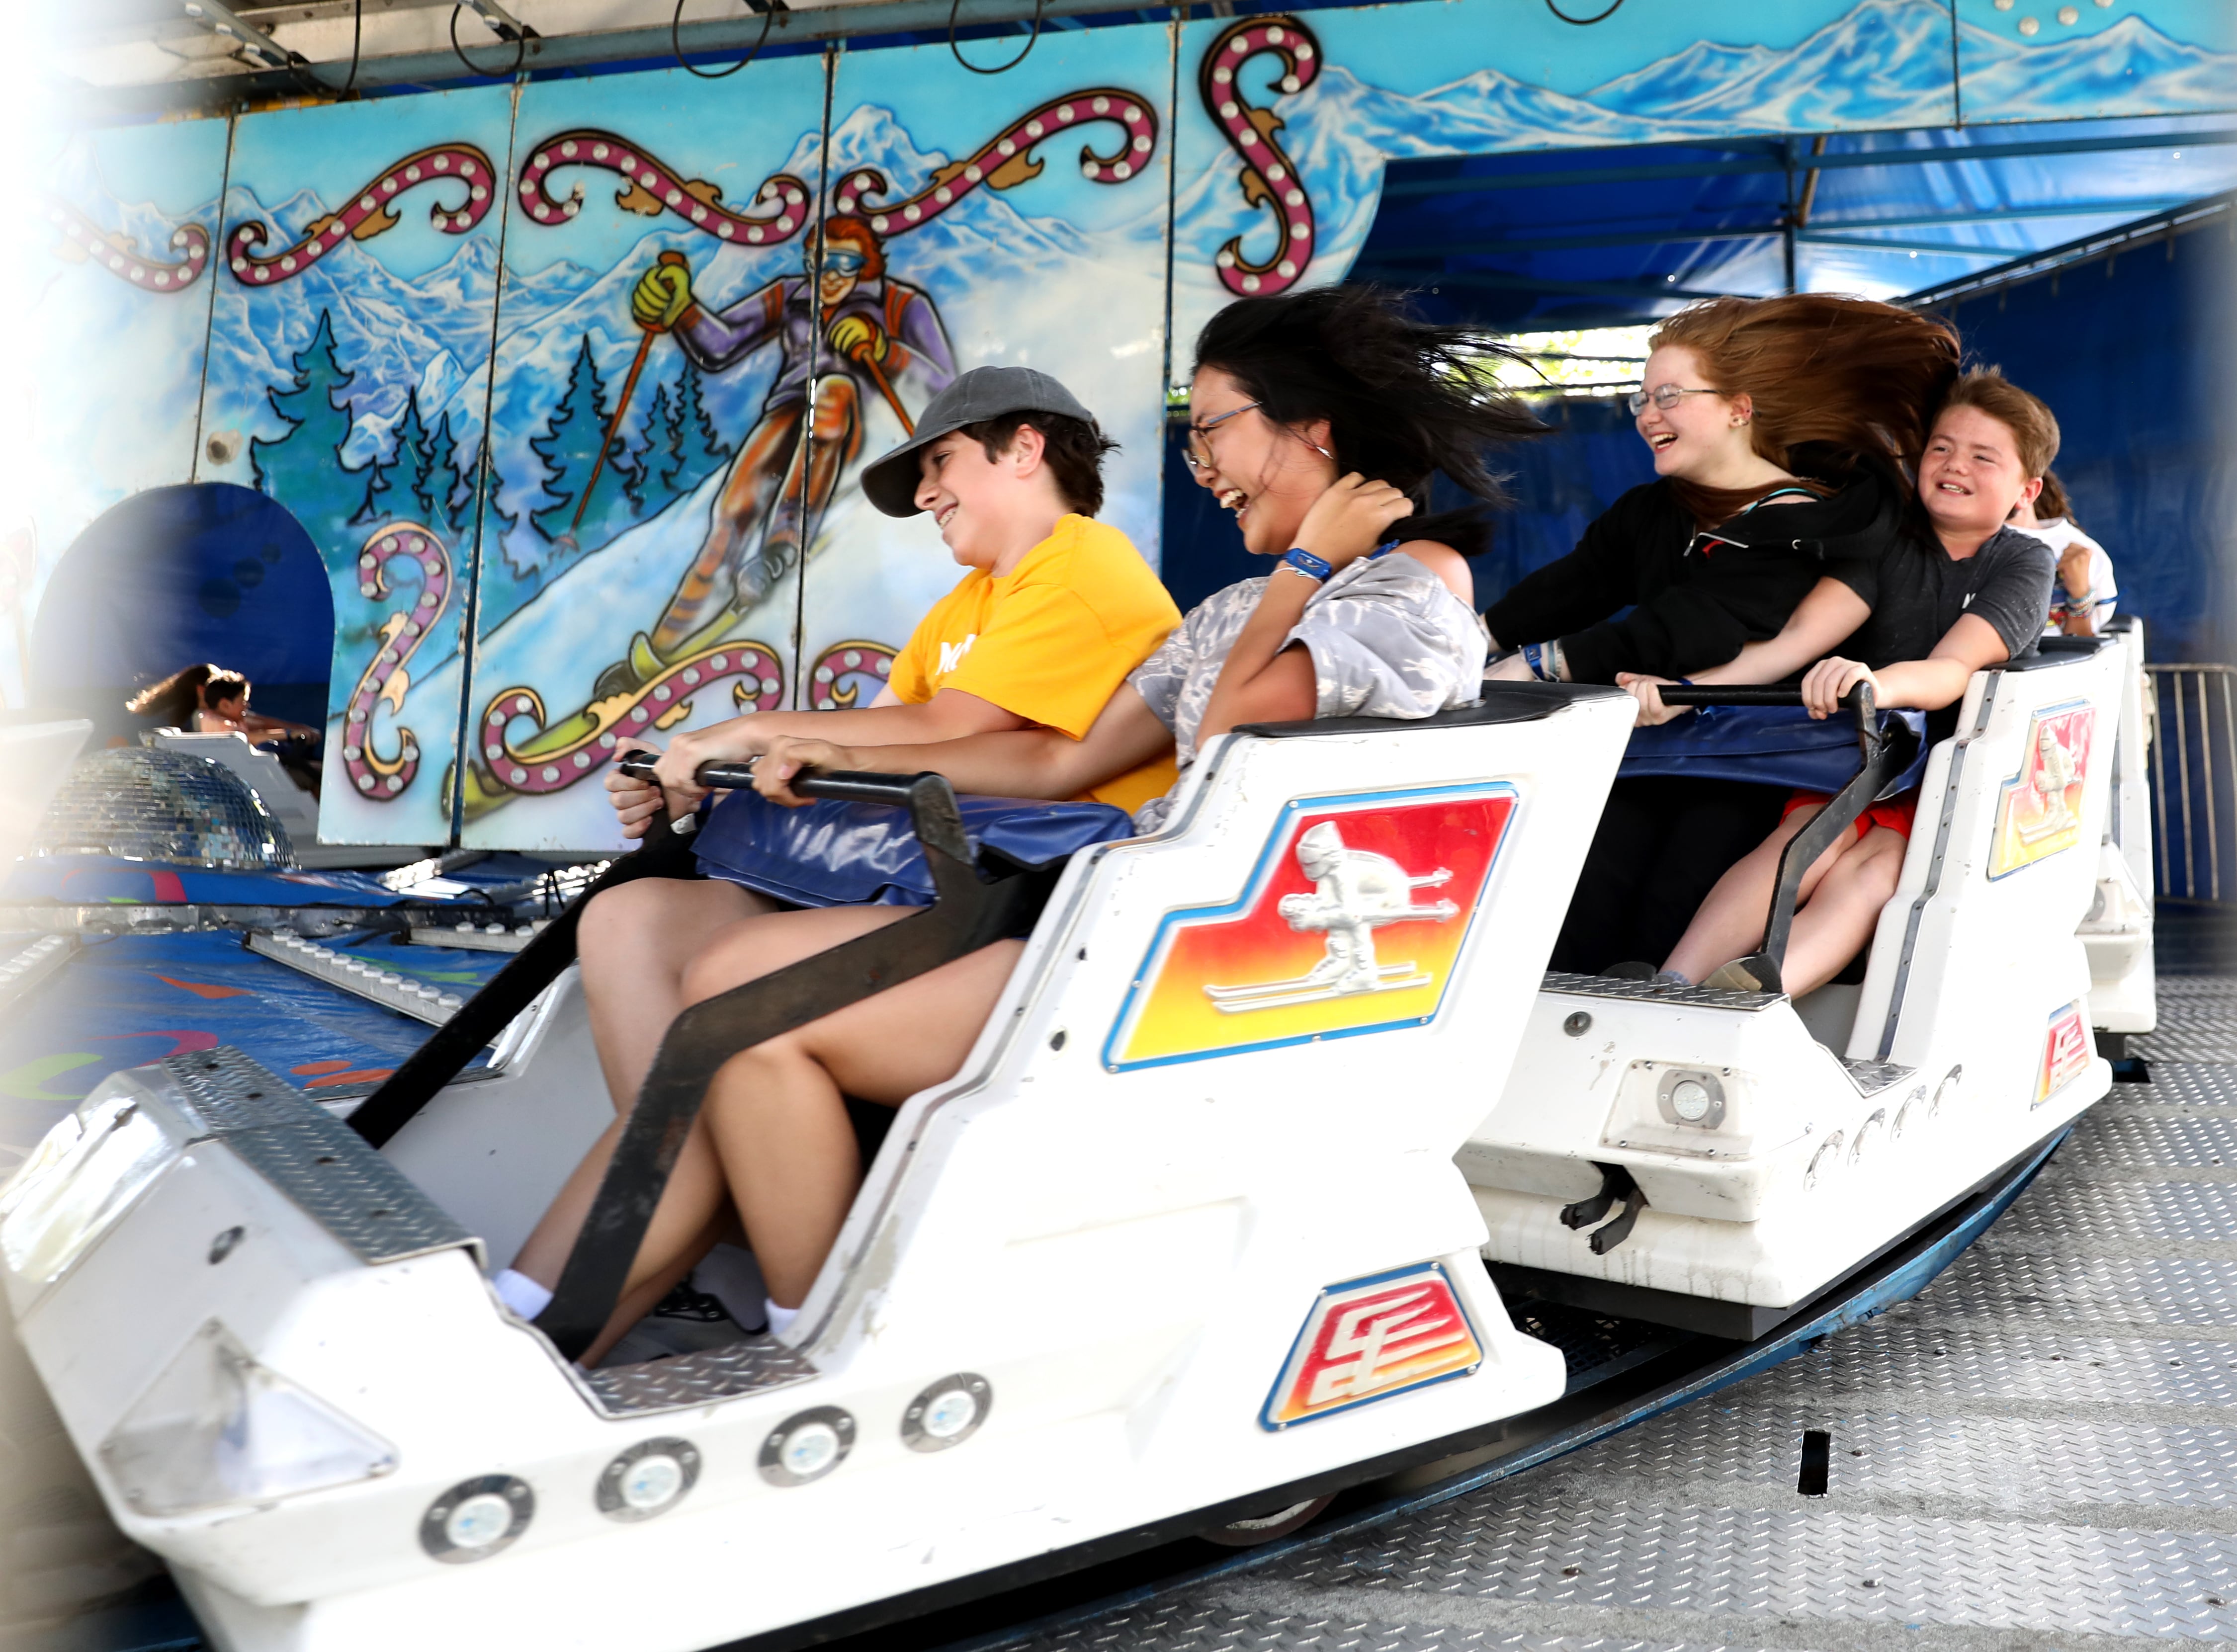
[210, 700]
[1052, 611]
[2085, 597]
[1780, 429]
[1319, 420]
[1966, 591]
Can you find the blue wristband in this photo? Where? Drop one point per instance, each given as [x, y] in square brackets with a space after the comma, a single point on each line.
[1537, 657]
[1305, 562]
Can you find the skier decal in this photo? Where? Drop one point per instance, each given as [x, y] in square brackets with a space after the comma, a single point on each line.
[1355, 893]
[370, 213]
[1294, 957]
[1270, 177]
[654, 188]
[2039, 809]
[848, 334]
[83, 239]
[375, 777]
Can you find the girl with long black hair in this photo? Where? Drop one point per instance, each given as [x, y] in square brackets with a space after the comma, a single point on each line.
[1318, 420]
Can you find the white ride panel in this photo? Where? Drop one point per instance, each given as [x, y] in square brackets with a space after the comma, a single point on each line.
[2116, 932]
[1185, 1229]
[1788, 1162]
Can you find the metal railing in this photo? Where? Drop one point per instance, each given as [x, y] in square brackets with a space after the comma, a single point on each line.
[2193, 772]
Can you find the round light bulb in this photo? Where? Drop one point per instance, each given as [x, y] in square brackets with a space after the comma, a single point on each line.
[1689, 1100]
[810, 1449]
[950, 1414]
[652, 1482]
[480, 1521]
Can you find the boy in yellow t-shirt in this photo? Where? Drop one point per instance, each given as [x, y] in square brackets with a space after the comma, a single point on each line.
[1054, 610]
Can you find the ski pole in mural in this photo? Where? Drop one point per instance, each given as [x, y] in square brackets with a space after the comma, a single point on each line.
[1270, 177]
[386, 676]
[82, 238]
[846, 332]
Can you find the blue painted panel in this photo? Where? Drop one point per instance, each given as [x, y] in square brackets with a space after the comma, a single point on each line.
[2052, 60]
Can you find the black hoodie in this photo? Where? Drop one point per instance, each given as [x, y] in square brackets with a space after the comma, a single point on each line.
[1695, 597]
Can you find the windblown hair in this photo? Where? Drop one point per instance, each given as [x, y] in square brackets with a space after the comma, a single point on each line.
[1405, 399]
[2051, 504]
[174, 702]
[1839, 386]
[2034, 427]
[1071, 448]
[846, 227]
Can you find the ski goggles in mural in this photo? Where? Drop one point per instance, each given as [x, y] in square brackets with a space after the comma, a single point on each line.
[841, 260]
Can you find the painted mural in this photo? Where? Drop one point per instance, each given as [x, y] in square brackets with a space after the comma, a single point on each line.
[1280, 156]
[113, 339]
[598, 360]
[348, 378]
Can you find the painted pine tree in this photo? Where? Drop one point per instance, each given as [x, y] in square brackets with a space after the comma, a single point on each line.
[569, 448]
[303, 469]
[699, 446]
[450, 495]
[661, 457]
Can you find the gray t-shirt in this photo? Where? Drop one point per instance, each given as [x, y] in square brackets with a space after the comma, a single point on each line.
[1387, 640]
[1918, 591]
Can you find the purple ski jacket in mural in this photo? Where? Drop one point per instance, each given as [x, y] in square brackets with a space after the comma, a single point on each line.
[717, 339]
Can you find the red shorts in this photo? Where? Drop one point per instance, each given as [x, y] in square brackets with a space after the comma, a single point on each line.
[1895, 814]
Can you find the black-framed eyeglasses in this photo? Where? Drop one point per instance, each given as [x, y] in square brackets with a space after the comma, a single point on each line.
[1197, 453]
[1664, 397]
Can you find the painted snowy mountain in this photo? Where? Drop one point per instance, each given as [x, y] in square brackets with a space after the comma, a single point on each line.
[2099, 73]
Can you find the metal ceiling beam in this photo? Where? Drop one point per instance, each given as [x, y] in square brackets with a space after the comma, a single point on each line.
[1492, 280]
[1773, 160]
[2161, 228]
[1504, 246]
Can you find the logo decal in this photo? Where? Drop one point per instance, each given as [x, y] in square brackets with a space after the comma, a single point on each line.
[2065, 1052]
[1372, 1338]
[2039, 813]
[1301, 953]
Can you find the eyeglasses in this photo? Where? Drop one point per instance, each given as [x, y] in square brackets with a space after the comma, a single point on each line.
[1198, 450]
[839, 261]
[1664, 397]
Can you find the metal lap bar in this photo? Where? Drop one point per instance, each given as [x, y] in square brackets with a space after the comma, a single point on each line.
[1884, 753]
[505, 995]
[966, 915]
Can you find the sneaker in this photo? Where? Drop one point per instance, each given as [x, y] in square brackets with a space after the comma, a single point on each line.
[686, 1321]
[1629, 970]
[1754, 973]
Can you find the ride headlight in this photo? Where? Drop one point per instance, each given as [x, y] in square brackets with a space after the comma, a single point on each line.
[80, 1180]
[217, 1427]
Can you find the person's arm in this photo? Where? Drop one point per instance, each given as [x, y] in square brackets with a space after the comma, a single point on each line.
[714, 340]
[1589, 583]
[1267, 678]
[1029, 762]
[1820, 624]
[949, 715]
[926, 339]
[2086, 574]
[1939, 680]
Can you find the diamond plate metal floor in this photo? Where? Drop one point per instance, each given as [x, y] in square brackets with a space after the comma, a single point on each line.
[2040, 1451]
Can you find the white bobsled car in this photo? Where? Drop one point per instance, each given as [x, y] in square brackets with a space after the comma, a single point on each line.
[1198, 1233]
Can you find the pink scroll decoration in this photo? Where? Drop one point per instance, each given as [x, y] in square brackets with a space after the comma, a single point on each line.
[848, 674]
[586, 743]
[373, 776]
[1270, 177]
[654, 188]
[371, 213]
[1007, 160]
[115, 253]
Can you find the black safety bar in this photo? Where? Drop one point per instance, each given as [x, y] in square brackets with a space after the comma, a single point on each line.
[966, 914]
[1883, 753]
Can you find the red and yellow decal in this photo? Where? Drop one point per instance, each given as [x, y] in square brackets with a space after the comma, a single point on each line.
[1351, 922]
[2065, 1052]
[2039, 813]
[1372, 1338]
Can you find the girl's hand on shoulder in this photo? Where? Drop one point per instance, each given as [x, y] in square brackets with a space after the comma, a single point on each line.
[1351, 518]
[1824, 683]
[787, 755]
[1648, 692]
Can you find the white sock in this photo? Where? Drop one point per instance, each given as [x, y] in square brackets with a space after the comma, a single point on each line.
[731, 1276]
[520, 1293]
[780, 1320]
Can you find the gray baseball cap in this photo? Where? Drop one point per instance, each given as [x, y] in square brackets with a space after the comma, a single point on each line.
[890, 482]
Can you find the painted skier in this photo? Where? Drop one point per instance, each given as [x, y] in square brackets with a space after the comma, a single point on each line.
[1356, 892]
[875, 330]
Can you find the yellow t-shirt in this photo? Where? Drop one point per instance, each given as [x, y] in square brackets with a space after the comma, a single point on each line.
[1051, 641]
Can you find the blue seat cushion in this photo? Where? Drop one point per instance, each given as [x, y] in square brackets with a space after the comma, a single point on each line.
[850, 854]
[1768, 744]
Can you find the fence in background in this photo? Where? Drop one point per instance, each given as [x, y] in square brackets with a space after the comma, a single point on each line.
[2194, 781]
